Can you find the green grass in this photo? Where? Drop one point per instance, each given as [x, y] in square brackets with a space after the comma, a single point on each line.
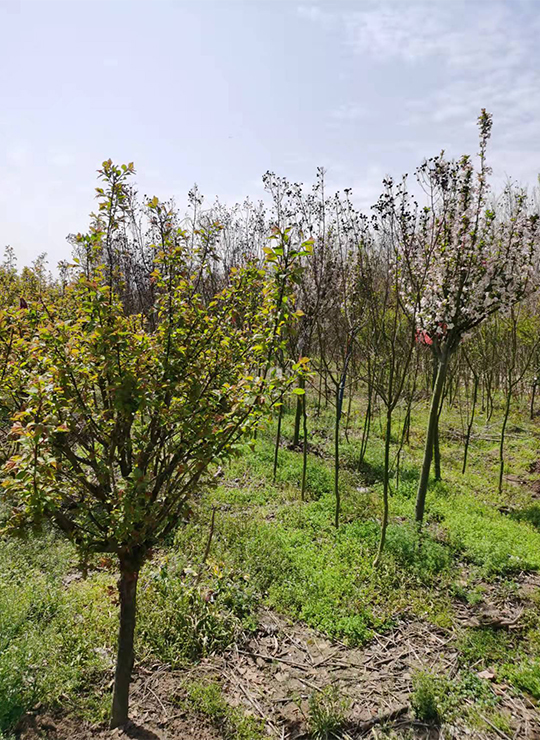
[327, 713]
[526, 676]
[207, 700]
[488, 538]
[54, 641]
[437, 698]
[58, 632]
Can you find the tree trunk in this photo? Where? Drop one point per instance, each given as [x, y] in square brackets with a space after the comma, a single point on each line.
[432, 425]
[489, 400]
[436, 446]
[340, 392]
[365, 430]
[278, 439]
[532, 399]
[384, 525]
[336, 459]
[404, 434]
[470, 425]
[127, 589]
[305, 448]
[437, 451]
[298, 416]
[503, 433]
[347, 421]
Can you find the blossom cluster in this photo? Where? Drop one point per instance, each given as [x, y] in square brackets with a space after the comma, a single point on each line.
[466, 255]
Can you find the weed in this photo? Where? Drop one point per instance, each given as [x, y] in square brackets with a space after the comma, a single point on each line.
[490, 539]
[484, 645]
[437, 699]
[427, 697]
[207, 699]
[327, 711]
[526, 676]
[179, 622]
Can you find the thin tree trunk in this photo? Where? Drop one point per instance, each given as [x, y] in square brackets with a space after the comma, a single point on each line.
[503, 432]
[470, 425]
[436, 446]
[336, 460]
[367, 425]
[532, 399]
[437, 451]
[348, 419]
[298, 415]
[127, 588]
[407, 424]
[326, 392]
[278, 439]
[489, 401]
[404, 434]
[428, 450]
[386, 479]
[340, 392]
[305, 448]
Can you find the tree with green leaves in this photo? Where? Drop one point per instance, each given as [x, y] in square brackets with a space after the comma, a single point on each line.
[127, 413]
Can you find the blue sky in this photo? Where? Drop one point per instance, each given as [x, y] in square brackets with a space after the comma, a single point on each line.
[218, 92]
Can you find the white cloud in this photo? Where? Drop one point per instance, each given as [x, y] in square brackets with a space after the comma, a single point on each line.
[465, 35]
[458, 57]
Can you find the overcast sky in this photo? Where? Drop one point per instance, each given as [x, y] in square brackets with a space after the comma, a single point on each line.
[219, 92]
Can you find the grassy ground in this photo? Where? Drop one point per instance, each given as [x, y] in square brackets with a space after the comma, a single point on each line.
[58, 630]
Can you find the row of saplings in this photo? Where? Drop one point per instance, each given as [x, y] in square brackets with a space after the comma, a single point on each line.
[116, 418]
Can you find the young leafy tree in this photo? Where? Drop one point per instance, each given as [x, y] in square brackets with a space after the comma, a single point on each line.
[18, 319]
[518, 346]
[388, 339]
[126, 413]
[10, 363]
[464, 257]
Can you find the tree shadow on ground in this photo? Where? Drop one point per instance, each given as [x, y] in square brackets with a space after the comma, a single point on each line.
[138, 732]
[530, 514]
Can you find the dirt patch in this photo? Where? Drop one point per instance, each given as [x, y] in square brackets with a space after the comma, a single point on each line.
[497, 607]
[273, 674]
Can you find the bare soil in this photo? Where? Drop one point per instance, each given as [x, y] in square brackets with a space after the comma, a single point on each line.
[273, 673]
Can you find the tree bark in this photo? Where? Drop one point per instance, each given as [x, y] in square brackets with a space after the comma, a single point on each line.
[340, 392]
[432, 425]
[386, 481]
[127, 589]
[349, 406]
[278, 439]
[470, 425]
[336, 459]
[436, 446]
[305, 448]
[437, 452]
[298, 416]
[365, 430]
[503, 432]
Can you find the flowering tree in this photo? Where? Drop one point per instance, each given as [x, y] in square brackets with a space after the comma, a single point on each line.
[463, 257]
[125, 412]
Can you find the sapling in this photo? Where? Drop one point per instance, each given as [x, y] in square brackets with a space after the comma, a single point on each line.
[125, 416]
[464, 257]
